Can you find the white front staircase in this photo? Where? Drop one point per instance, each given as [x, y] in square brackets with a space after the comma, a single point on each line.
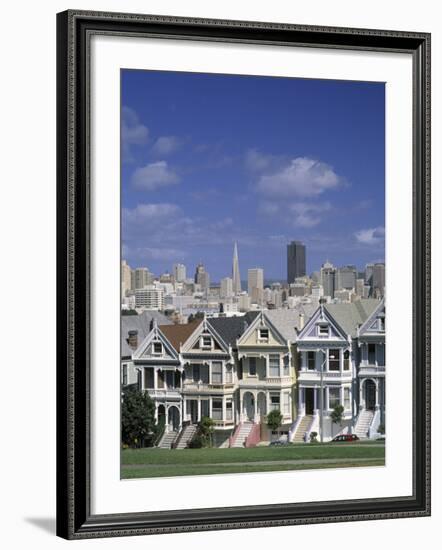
[243, 432]
[186, 435]
[167, 440]
[302, 428]
[363, 423]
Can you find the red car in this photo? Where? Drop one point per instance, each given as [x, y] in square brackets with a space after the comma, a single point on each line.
[346, 437]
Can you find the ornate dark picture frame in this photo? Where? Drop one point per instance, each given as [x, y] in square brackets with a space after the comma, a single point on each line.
[74, 31]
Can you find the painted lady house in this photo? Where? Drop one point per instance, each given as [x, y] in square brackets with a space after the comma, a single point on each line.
[335, 369]
[235, 370]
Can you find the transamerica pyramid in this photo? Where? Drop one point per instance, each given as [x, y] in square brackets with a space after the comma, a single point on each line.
[236, 277]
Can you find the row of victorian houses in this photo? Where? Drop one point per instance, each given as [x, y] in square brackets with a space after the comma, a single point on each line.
[236, 369]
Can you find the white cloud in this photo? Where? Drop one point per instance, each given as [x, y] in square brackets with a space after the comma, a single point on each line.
[299, 214]
[257, 161]
[371, 236]
[165, 145]
[133, 132]
[153, 176]
[308, 214]
[302, 177]
[152, 213]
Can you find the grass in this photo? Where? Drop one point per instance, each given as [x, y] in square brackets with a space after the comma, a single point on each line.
[167, 463]
[172, 471]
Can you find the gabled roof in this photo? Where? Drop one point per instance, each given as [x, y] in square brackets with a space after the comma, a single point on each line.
[287, 321]
[321, 315]
[262, 318]
[231, 328]
[141, 323]
[179, 334]
[377, 312]
[155, 335]
[351, 316]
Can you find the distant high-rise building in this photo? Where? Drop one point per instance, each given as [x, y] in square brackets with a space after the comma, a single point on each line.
[368, 274]
[202, 278]
[226, 288]
[236, 277]
[317, 291]
[360, 287]
[142, 277]
[126, 278]
[378, 282]
[179, 273]
[328, 279]
[346, 277]
[149, 298]
[295, 261]
[255, 284]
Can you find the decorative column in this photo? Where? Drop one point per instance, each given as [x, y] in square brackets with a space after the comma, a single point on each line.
[199, 410]
[377, 394]
[300, 401]
[315, 401]
[361, 395]
[255, 405]
[224, 408]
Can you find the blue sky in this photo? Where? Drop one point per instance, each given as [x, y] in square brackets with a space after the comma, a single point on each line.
[210, 159]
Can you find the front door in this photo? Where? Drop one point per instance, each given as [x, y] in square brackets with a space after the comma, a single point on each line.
[194, 411]
[370, 394]
[309, 400]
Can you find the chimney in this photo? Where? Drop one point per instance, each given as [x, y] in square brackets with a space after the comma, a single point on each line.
[133, 339]
[301, 321]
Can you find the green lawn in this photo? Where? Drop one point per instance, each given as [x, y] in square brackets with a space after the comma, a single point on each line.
[167, 463]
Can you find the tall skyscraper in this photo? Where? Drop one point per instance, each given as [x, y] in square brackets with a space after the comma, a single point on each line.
[226, 288]
[142, 277]
[202, 278]
[378, 282]
[295, 261]
[126, 278]
[179, 272]
[255, 284]
[236, 277]
[328, 279]
[346, 277]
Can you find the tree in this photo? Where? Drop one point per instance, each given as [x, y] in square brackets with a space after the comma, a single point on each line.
[206, 429]
[274, 420]
[137, 419]
[337, 414]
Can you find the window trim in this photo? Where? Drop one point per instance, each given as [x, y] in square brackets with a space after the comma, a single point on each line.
[334, 360]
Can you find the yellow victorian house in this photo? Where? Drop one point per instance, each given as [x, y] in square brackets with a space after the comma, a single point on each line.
[266, 373]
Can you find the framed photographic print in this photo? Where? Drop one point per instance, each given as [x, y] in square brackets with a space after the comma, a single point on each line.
[243, 225]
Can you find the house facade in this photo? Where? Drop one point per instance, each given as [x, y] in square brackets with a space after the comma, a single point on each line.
[342, 362]
[236, 370]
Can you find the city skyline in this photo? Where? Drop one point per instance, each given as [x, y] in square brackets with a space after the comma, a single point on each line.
[244, 272]
[195, 180]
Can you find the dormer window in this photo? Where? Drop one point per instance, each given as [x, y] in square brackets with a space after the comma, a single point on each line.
[263, 334]
[323, 330]
[206, 342]
[157, 348]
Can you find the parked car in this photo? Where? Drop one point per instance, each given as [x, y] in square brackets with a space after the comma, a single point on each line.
[345, 438]
[278, 443]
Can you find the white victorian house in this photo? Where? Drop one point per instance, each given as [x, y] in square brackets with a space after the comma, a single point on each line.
[329, 359]
[371, 373]
[161, 373]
